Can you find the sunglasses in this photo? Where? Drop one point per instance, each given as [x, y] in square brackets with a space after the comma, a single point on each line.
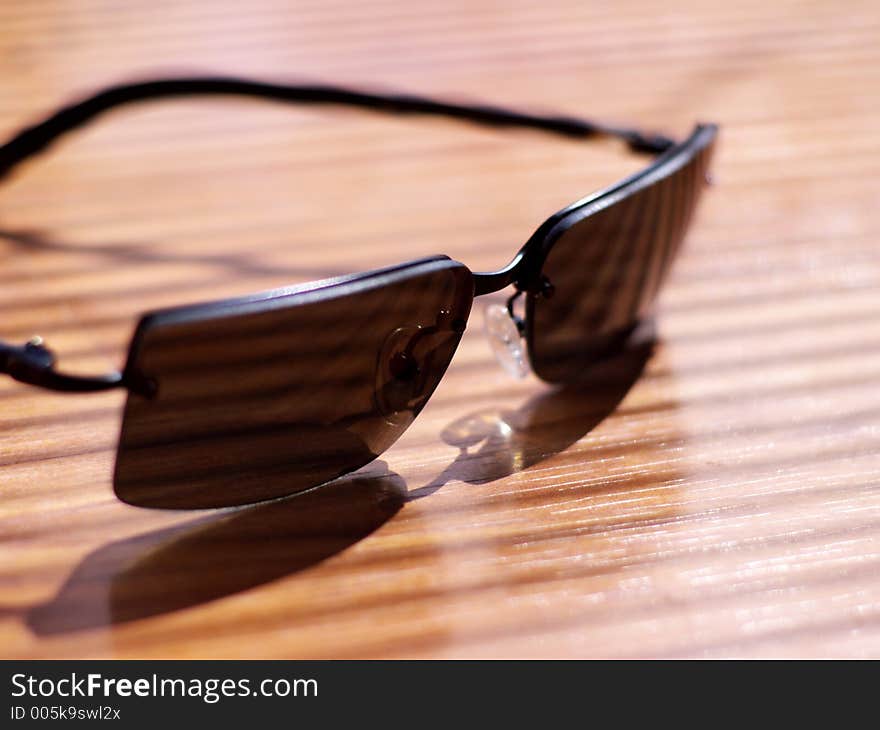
[252, 398]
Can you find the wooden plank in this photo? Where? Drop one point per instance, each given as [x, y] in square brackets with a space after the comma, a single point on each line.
[726, 504]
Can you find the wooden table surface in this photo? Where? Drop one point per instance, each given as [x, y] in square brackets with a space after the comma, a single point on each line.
[720, 499]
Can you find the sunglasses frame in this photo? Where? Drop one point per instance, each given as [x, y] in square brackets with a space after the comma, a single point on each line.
[34, 364]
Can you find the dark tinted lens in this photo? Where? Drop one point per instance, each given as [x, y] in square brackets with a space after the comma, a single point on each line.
[284, 394]
[606, 269]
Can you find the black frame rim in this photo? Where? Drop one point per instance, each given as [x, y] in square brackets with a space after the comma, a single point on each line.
[33, 363]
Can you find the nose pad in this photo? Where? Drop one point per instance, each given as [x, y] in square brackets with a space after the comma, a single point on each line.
[411, 361]
[505, 340]
[397, 375]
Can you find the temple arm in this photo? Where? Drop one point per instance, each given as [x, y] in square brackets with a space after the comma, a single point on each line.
[36, 138]
[34, 364]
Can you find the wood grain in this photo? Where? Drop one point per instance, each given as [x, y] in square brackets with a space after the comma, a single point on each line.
[720, 499]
